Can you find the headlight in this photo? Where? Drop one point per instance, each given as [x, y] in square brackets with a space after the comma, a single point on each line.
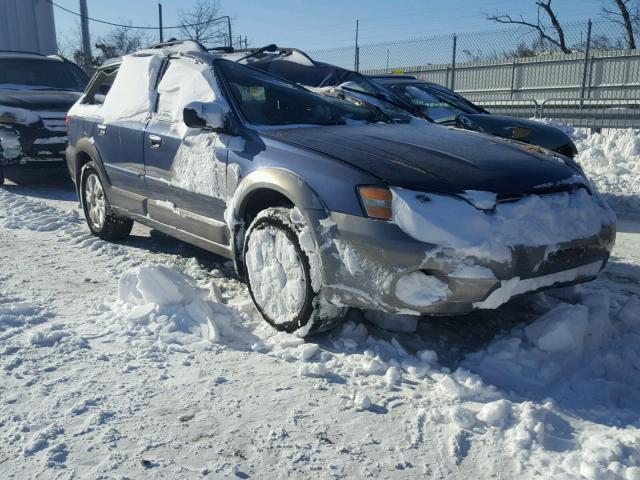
[7, 117]
[11, 115]
[376, 202]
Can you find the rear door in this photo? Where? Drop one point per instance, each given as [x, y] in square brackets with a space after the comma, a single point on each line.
[185, 168]
[120, 132]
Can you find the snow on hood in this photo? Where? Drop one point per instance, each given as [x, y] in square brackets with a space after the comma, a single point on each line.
[18, 115]
[534, 220]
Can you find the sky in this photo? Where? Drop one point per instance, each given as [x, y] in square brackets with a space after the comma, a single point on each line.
[319, 24]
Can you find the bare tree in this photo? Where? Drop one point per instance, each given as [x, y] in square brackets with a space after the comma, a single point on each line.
[623, 12]
[121, 41]
[559, 39]
[202, 24]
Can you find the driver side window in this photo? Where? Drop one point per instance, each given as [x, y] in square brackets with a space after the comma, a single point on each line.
[183, 81]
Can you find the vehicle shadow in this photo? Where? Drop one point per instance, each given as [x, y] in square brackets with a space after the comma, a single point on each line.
[41, 184]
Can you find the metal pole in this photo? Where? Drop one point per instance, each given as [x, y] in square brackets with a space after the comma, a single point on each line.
[586, 60]
[453, 62]
[230, 37]
[356, 63]
[387, 60]
[84, 28]
[160, 21]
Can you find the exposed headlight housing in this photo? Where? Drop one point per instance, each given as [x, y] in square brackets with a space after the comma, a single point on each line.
[376, 201]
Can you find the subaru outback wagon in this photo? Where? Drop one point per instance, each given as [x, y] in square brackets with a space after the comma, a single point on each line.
[324, 204]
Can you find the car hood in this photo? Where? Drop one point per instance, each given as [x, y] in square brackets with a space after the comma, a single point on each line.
[529, 131]
[39, 100]
[434, 158]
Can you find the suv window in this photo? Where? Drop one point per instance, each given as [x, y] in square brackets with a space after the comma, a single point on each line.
[100, 86]
[184, 81]
[41, 74]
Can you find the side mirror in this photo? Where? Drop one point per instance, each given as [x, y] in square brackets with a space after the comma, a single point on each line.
[204, 115]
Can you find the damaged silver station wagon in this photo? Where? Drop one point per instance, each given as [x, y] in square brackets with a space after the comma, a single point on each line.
[324, 204]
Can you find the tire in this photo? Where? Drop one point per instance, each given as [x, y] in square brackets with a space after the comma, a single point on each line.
[279, 276]
[1, 176]
[97, 210]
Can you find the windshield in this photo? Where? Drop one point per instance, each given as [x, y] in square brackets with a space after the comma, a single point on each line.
[438, 104]
[40, 74]
[267, 100]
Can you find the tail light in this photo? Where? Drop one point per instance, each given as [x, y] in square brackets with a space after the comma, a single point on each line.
[67, 121]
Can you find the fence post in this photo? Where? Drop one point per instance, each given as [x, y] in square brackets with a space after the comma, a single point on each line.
[453, 62]
[586, 60]
[513, 77]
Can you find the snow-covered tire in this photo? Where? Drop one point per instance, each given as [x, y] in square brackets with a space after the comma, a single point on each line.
[279, 276]
[97, 211]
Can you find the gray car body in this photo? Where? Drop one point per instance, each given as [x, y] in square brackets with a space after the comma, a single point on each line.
[296, 167]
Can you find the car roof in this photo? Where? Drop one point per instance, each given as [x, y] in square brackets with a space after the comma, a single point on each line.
[398, 79]
[29, 55]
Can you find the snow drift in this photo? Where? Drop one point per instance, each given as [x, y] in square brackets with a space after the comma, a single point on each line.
[612, 163]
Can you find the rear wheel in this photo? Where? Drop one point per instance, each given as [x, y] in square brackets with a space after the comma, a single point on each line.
[97, 211]
[280, 279]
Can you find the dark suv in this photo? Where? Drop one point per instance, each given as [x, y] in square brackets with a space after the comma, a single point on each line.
[35, 94]
[322, 203]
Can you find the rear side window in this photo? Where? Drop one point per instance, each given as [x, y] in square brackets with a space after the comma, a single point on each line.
[132, 96]
[184, 81]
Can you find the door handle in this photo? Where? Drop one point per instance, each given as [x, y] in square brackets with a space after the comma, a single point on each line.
[102, 129]
[155, 141]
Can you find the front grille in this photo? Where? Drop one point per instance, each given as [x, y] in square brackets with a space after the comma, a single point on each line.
[54, 121]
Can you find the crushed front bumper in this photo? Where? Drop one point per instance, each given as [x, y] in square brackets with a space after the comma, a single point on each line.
[363, 260]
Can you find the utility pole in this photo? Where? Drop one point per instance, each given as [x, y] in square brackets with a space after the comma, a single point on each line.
[160, 21]
[245, 42]
[356, 63]
[84, 28]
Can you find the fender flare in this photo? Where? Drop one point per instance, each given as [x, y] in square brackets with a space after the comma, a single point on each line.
[284, 182]
[87, 147]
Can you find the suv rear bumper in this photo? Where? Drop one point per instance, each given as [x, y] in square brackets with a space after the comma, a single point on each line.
[363, 260]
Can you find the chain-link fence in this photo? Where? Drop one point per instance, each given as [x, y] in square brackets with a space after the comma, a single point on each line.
[521, 41]
[513, 71]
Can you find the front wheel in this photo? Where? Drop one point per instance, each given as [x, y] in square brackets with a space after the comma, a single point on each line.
[280, 279]
[97, 211]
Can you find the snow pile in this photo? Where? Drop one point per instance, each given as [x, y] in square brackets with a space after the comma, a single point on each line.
[534, 220]
[576, 352]
[163, 305]
[124, 101]
[612, 163]
[17, 211]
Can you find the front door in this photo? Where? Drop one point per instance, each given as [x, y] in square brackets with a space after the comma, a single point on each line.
[185, 168]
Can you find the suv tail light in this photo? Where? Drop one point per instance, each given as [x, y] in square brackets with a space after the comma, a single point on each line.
[67, 120]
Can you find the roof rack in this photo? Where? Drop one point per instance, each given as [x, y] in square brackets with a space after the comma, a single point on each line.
[173, 42]
[23, 51]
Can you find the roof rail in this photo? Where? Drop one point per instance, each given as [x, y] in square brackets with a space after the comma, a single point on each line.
[172, 42]
[23, 51]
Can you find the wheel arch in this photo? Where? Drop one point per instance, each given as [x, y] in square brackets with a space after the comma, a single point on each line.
[267, 188]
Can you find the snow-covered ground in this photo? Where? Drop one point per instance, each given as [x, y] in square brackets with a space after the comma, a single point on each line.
[147, 359]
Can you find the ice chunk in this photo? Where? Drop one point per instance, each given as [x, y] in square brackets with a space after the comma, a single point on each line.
[421, 290]
[563, 328]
